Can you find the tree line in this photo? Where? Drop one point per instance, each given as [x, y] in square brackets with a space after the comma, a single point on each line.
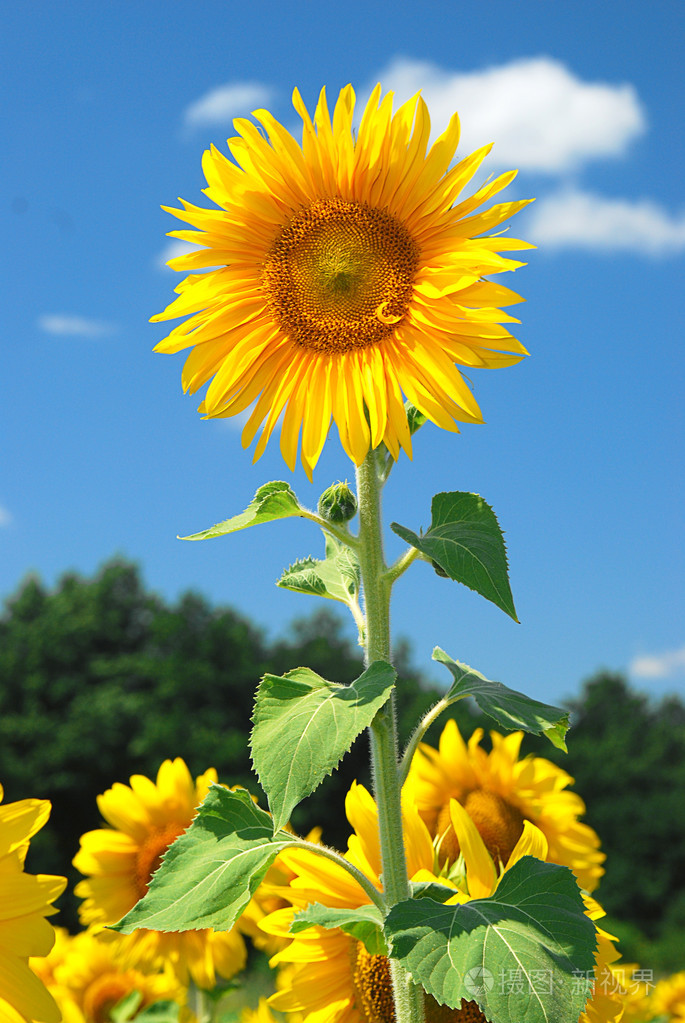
[101, 679]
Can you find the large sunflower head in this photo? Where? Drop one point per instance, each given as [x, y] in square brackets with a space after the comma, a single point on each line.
[500, 791]
[344, 273]
[25, 902]
[119, 861]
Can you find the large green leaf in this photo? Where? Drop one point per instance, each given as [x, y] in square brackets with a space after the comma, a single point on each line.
[304, 725]
[210, 873]
[364, 923]
[337, 577]
[508, 707]
[274, 500]
[464, 540]
[520, 954]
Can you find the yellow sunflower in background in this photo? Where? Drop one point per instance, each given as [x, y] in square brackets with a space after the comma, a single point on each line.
[330, 977]
[262, 1014]
[344, 274]
[25, 901]
[668, 998]
[120, 860]
[481, 875]
[87, 979]
[500, 792]
[636, 992]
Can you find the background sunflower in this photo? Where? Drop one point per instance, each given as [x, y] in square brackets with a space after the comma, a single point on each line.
[119, 861]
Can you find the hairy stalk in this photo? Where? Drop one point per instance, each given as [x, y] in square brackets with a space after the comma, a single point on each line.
[383, 731]
[332, 854]
[402, 564]
[199, 1004]
[424, 724]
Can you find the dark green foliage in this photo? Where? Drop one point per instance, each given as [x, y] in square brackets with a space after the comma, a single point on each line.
[627, 755]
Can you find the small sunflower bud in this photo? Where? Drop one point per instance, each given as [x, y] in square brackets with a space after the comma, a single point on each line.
[338, 503]
[415, 418]
[438, 570]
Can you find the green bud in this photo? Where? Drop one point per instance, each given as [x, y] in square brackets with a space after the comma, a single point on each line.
[415, 418]
[439, 571]
[338, 503]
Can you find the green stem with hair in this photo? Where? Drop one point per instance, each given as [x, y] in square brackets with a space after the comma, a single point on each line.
[377, 584]
[199, 1004]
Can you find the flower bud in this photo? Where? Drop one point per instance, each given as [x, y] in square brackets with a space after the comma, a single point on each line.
[415, 418]
[338, 503]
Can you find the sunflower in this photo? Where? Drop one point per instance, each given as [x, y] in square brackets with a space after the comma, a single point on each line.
[343, 273]
[627, 978]
[119, 862]
[332, 978]
[87, 979]
[25, 901]
[668, 998]
[500, 792]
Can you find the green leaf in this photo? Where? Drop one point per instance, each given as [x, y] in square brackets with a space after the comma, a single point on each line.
[337, 577]
[508, 707]
[126, 1008]
[160, 1012]
[210, 873]
[415, 418]
[274, 500]
[304, 725]
[431, 890]
[464, 540]
[364, 923]
[520, 954]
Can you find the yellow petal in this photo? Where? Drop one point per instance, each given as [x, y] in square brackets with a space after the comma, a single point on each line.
[481, 875]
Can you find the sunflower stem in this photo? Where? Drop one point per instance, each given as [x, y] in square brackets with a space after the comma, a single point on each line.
[417, 735]
[198, 1003]
[376, 586]
[340, 532]
[332, 854]
[402, 564]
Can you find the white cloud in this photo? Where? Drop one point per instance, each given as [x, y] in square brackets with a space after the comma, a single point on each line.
[540, 116]
[236, 423]
[170, 251]
[666, 665]
[74, 326]
[5, 517]
[174, 249]
[581, 220]
[222, 104]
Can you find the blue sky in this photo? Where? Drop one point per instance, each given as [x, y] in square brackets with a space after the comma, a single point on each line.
[107, 109]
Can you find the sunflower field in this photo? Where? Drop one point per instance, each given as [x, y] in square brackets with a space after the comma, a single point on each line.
[344, 279]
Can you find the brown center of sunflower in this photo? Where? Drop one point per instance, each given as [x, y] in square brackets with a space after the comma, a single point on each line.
[103, 994]
[150, 852]
[499, 824]
[339, 276]
[373, 994]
